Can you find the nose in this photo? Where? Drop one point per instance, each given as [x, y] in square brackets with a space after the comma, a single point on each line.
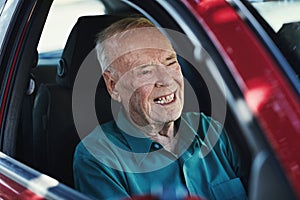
[164, 78]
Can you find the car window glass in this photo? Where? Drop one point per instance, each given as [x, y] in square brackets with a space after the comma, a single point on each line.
[284, 19]
[2, 4]
[278, 13]
[7, 12]
[62, 17]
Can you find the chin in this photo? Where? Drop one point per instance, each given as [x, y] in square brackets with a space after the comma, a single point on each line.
[168, 118]
[176, 116]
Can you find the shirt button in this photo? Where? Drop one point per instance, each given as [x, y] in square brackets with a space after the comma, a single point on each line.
[156, 146]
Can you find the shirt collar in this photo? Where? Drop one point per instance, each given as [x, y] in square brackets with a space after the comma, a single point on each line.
[141, 145]
[189, 133]
[136, 140]
[188, 138]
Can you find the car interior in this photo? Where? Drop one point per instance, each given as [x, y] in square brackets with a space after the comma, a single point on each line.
[47, 131]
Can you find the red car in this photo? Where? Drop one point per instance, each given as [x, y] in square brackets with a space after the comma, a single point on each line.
[240, 60]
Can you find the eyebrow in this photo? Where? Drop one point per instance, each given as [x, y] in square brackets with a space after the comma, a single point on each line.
[171, 56]
[143, 66]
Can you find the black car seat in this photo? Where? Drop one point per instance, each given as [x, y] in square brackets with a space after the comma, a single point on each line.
[54, 133]
[37, 76]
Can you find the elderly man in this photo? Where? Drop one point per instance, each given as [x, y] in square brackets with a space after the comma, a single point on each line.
[151, 147]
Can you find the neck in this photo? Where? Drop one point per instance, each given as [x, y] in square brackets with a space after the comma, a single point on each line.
[161, 129]
[164, 135]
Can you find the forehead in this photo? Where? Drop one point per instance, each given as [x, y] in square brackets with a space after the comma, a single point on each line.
[143, 57]
[149, 37]
[135, 40]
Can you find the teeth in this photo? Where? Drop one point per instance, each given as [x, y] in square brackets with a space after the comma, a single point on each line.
[166, 99]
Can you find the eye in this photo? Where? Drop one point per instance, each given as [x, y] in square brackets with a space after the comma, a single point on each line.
[145, 72]
[171, 60]
[172, 63]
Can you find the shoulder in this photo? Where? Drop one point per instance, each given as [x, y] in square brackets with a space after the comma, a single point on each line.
[104, 144]
[99, 142]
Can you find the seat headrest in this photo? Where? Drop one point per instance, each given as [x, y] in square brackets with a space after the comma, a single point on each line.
[80, 42]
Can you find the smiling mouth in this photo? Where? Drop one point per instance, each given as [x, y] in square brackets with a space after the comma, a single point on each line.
[163, 100]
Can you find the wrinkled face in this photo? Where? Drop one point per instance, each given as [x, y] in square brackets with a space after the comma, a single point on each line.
[149, 83]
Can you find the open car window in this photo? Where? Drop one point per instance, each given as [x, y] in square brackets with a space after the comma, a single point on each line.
[2, 4]
[62, 17]
[278, 13]
[284, 19]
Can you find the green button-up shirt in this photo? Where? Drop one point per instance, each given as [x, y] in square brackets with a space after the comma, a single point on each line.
[117, 161]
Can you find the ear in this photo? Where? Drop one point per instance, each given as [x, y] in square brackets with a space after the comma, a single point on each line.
[110, 82]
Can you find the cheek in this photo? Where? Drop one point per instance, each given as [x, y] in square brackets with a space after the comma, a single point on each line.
[180, 79]
[139, 101]
[176, 73]
[138, 107]
[179, 75]
[126, 90]
[141, 95]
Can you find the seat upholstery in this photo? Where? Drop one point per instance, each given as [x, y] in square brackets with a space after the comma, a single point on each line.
[37, 76]
[54, 133]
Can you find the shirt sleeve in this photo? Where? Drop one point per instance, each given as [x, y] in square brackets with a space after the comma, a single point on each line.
[95, 179]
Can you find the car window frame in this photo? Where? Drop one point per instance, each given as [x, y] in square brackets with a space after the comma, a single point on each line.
[267, 35]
